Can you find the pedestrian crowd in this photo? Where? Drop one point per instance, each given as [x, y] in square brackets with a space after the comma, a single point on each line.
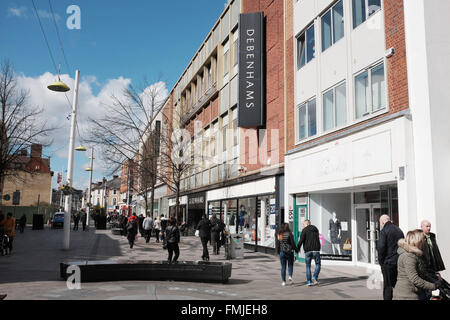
[410, 264]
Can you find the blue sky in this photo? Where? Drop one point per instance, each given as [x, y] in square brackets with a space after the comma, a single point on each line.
[119, 42]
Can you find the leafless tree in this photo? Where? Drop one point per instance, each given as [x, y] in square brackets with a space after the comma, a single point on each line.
[126, 131]
[20, 125]
[177, 155]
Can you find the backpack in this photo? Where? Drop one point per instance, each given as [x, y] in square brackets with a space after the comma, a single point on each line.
[131, 225]
[286, 246]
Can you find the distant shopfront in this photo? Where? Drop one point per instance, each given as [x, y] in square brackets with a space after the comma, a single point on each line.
[250, 210]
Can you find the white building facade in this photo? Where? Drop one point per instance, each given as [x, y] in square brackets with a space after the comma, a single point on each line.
[370, 136]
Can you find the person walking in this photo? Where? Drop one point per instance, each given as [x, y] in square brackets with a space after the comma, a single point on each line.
[22, 223]
[217, 227]
[132, 229]
[76, 220]
[84, 220]
[387, 247]
[285, 248]
[204, 228]
[310, 241]
[123, 224]
[432, 258]
[9, 225]
[172, 237]
[163, 228]
[147, 225]
[157, 226]
[141, 221]
[410, 285]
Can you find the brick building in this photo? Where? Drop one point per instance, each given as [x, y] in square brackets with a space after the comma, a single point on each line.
[364, 136]
[34, 180]
[239, 168]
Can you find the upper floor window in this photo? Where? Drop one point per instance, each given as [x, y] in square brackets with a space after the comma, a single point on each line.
[370, 91]
[307, 124]
[306, 49]
[334, 107]
[363, 9]
[332, 25]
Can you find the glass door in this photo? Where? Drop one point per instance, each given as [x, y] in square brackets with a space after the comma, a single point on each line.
[367, 232]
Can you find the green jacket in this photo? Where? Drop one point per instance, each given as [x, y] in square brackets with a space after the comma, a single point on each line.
[409, 283]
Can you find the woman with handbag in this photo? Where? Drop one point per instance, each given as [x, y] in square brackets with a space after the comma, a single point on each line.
[285, 248]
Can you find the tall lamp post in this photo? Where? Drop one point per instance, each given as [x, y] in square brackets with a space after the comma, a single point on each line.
[90, 169]
[61, 87]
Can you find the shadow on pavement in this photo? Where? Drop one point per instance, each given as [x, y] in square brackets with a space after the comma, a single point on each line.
[37, 255]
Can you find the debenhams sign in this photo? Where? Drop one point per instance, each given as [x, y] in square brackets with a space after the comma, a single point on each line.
[251, 70]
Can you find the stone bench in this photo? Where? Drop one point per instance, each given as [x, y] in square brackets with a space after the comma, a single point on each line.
[116, 231]
[129, 270]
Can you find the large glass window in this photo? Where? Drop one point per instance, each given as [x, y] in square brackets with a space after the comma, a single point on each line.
[266, 221]
[363, 9]
[331, 213]
[306, 49]
[370, 91]
[247, 219]
[332, 25]
[307, 120]
[334, 108]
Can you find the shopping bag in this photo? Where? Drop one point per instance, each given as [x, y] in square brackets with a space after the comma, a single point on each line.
[197, 233]
[347, 245]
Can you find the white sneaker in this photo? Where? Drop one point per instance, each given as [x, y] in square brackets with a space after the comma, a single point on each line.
[315, 282]
[291, 281]
[283, 283]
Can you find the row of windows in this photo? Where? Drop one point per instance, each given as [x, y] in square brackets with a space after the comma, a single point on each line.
[332, 25]
[215, 174]
[369, 97]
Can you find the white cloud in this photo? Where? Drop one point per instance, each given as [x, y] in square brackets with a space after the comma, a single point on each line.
[17, 12]
[47, 15]
[56, 107]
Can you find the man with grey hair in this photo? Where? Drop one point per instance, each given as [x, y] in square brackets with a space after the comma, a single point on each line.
[387, 254]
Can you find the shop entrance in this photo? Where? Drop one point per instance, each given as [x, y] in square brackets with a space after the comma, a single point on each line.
[300, 215]
[367, 217]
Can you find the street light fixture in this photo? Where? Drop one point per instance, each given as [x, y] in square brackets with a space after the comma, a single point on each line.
[90, 169]
[62, 87]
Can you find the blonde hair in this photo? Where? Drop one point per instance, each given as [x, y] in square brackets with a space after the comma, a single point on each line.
[415, 238]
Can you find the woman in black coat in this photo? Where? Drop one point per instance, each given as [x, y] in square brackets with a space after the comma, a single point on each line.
[204, 228]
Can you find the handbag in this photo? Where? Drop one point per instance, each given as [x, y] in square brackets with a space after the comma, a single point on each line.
[197, 233]
[347, 245]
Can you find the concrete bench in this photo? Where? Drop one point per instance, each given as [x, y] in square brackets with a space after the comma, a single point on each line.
[116, 231]
[128, 270]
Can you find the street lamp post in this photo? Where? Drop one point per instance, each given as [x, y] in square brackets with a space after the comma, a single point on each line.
[91, 169]
[61, 87]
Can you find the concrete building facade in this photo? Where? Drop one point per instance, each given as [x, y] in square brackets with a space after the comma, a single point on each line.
[365, 139]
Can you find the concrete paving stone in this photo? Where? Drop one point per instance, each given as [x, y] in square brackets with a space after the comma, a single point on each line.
[32, 272]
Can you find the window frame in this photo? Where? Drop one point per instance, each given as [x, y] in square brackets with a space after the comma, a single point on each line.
[371, 112]
[304, 34]
[367, 13]
[335, 126]
[304, 104]
[332, 28]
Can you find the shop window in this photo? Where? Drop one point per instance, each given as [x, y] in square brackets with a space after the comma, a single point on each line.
[247, 219]
[332, 215]
[266, 221]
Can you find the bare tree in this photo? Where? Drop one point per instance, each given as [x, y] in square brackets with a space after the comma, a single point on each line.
[176, 160]
[126, 131]
[20, 125]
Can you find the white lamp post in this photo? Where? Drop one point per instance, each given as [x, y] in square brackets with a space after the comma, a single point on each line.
[61, 87]
[90, 169]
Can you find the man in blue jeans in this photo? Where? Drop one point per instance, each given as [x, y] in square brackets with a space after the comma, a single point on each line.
[309, 238]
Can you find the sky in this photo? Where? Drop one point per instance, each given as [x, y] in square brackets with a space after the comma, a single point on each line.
[118, 43]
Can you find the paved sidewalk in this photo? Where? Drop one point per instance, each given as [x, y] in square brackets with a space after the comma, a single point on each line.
[32, 272]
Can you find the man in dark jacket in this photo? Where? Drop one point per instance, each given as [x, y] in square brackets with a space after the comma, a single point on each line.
[387, 254]
[217, 227]
[204, 228]
[432, 259]
[84, 220]
[309, 238]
